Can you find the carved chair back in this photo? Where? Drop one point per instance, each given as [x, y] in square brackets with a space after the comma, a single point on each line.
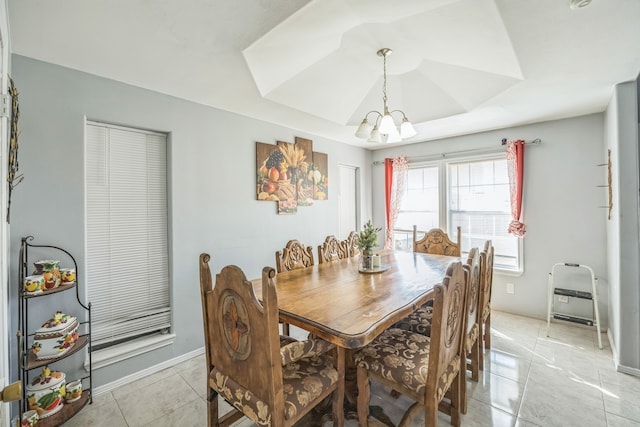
[351, 244]
[294, 256]
[447, 326]
[486, 281]
[473, 263]
[436, 242]
[332, 250]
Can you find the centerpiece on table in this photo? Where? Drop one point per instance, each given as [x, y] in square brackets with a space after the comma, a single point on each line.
[366, 241]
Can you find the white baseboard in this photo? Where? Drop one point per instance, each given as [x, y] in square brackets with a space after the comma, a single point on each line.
[146, 372]
[616, 359]
[627, 370]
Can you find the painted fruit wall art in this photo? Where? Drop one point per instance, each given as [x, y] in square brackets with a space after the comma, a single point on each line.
[291, 174]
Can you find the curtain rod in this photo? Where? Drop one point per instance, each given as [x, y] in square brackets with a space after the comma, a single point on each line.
[536, 141]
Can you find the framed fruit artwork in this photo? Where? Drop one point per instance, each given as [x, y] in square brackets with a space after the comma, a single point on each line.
[320, 176]
[286, 173]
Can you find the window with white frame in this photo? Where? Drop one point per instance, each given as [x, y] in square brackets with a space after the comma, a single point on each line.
[470, 193]
[127, 234]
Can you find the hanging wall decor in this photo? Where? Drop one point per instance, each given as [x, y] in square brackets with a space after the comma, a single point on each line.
[12, 178]
[608, 185]
[291, 174]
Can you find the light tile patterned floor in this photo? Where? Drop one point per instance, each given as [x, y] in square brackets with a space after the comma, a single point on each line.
[529, 380]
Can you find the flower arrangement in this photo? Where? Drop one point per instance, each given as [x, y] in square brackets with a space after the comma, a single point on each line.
[367, 238]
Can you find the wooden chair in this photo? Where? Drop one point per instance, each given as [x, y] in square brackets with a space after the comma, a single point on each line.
[351, 244]
[263, 376]
[484, 311]
[293, 256]
[420, 367]
[332, 250]
[472, 327]
[420, 322]
[436, 242]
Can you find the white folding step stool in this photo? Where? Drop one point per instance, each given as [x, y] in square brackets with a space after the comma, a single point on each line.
[572, 293]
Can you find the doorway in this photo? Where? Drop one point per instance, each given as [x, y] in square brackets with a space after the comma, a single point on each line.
[348, 206]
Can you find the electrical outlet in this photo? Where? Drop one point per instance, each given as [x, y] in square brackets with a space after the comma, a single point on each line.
[563, 298]
[510, 288]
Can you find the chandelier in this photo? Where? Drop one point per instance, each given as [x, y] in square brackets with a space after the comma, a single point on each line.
[384, 128]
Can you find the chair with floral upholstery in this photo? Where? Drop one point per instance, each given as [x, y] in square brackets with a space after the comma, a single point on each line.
[332, 250]
[420, 321]
[272, 380]
[437, 242]
[484, 304]
[421, 367]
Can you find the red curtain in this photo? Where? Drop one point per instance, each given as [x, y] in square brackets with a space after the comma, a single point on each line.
[388, 187]
[515, 165]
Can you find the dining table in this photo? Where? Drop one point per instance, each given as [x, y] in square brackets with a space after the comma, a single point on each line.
[349, 306]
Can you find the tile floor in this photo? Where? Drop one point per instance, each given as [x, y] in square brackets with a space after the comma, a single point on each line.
[529, 380]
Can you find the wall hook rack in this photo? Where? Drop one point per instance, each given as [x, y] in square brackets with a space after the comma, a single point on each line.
[608, 185]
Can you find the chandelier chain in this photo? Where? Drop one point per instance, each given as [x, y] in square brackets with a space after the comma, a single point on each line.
[384, 83]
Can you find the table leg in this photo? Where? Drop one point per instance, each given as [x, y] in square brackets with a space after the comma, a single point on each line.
[377, 417]
[322, 413]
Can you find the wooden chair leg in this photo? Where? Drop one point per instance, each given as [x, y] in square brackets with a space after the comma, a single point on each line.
[338, 395]
[481, 347]
[212, 408]
[455, 400]
[431, 413]
[462, 386]
[475, 360]
[487, 332]
[285, 329]
[364, 392]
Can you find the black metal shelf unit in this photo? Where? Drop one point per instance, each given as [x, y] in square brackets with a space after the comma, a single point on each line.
[26, 359]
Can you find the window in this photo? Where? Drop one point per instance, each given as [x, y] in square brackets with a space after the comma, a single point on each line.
[473, 194]
[420, 205]
[127, 250]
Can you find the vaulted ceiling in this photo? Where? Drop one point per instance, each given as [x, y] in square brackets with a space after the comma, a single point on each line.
[458, 66]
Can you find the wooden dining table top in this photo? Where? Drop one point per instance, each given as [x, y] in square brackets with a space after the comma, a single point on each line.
[342, 305]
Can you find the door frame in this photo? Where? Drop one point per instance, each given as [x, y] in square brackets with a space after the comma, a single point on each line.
[5, 48]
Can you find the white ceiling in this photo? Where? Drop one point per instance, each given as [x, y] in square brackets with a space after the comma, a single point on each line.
[459, 66]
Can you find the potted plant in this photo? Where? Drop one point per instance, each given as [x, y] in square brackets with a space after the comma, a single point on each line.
[366, 241]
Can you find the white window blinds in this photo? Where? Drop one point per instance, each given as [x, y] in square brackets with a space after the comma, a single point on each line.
[127, 253]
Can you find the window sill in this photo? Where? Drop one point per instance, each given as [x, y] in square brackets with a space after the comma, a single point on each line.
[509, 273]
[118, 353]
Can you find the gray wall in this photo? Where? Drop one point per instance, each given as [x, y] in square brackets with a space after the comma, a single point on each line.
[623, 231]
[561, 199]
[212, 186]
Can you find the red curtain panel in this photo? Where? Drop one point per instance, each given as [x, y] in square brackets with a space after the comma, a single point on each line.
[515, 165]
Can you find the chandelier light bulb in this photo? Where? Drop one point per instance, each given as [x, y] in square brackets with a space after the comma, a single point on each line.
[406, 129]
[393, 135]
[364, 130]
[375, 136]
[386, 124]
